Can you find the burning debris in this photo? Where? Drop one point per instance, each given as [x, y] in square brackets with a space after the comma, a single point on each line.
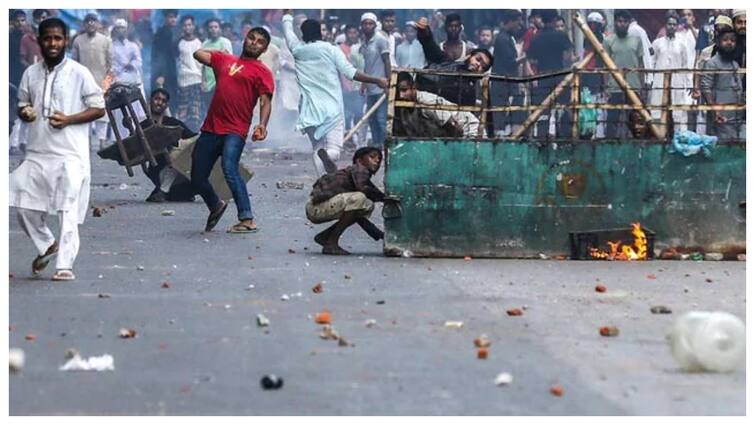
[633, 244]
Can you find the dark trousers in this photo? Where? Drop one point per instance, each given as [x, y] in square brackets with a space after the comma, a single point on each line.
[208, 148]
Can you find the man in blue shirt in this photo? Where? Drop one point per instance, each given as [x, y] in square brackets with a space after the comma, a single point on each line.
[318, 65]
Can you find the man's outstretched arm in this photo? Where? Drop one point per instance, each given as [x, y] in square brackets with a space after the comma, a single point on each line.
[203, 56]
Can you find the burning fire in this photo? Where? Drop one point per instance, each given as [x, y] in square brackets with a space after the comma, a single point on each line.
[623, 252]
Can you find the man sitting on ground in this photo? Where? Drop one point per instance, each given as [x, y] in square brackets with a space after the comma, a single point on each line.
[347, 196]
[168, 183]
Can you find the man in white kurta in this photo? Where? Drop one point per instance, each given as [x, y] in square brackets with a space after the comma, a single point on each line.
[671, 52]
[58, 101]
[318, 64]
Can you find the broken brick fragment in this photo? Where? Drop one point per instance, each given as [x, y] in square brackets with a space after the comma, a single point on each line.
[514, 312]
[600, 288]
[317, 289]
[557, 390]
[609, 331]
[127, 333]
[291, 251]
[482, 353]
[30, 337]
[166, 285]
[323, 318]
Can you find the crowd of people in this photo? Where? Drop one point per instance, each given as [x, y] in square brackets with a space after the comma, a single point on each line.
[329, 75]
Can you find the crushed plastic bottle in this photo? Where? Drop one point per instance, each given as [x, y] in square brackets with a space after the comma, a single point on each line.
[708, 341]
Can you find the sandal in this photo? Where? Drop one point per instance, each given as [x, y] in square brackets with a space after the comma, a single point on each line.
[214, 217]
[243, 228]
[41, 262]
[63, 275]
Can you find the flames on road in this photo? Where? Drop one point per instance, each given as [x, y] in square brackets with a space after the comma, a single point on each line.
[624, 252]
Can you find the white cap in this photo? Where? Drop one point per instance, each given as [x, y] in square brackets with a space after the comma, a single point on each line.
[369, 16]
[121, 23]
[596, 17]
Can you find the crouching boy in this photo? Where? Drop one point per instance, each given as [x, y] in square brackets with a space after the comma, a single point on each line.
[347, 196]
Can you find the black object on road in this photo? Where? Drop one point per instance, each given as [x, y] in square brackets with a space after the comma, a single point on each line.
[271, 382]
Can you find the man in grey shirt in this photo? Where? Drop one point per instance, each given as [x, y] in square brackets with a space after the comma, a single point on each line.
[627, 52]
[377, 63]
[724, 88]
[94, 50]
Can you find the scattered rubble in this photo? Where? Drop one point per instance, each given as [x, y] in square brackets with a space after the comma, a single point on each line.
[504, 379]
[600, 288]
[714, 256]
[323, 318]
[557, 390]
[289, 185]
[16, 359]
[514, 312]
[271, 382]
[262, 321]
[454, 324]
[329, 333]
[482, 353]
[97, 211]
[609, 331]
[482, 341]
[660, 309]
[127, 333]
[96, 364]
[317, 289]
[30, 337]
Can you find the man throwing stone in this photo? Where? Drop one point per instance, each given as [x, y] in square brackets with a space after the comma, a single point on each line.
[240, 82]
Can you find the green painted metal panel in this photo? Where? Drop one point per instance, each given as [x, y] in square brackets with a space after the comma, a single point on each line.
[486, 198]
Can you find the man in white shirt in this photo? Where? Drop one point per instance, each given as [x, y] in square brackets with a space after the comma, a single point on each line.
[318, 65]
[189, 77]
[409, 54]
[671, 53]
[647, 48]
[388, 30]
[453, 123]
[58, 97]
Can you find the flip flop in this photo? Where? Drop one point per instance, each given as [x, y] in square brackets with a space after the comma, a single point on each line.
[214, 218]
[63, 275]
[41, 262]
[243, 228]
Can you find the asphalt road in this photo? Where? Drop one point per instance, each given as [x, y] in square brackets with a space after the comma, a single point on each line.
[199, 351]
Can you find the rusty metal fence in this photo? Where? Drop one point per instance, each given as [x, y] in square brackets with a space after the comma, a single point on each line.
[576, 104]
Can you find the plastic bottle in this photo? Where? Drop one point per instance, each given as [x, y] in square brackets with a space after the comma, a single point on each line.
[708, 341]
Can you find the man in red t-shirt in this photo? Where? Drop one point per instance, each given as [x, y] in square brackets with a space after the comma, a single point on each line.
[240, 82]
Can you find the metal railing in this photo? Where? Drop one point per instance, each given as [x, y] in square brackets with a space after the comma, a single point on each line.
[585, 104]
